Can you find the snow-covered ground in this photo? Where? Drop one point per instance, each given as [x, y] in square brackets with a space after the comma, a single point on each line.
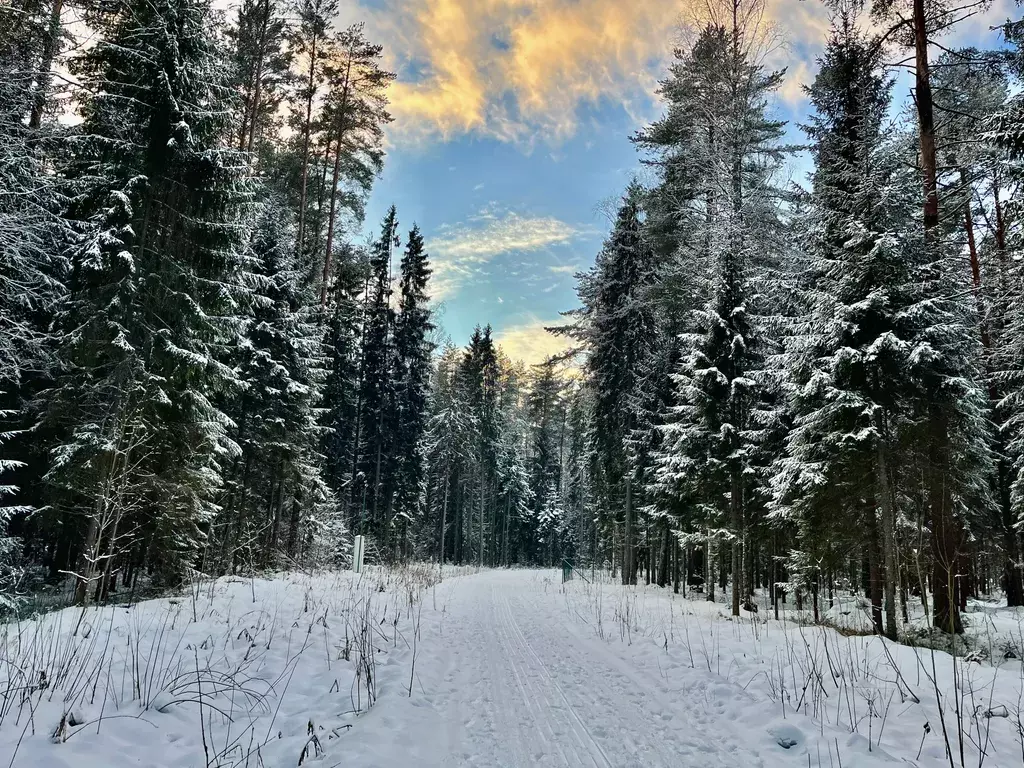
[496, 668]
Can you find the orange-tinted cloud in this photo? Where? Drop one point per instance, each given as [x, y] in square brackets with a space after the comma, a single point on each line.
[523, 70]
[518, 70]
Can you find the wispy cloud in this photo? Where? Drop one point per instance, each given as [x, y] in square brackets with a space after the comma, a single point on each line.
[460, 252]
[565, 269]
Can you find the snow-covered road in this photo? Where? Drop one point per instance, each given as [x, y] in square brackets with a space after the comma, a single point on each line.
[516, 671]
[525, 685]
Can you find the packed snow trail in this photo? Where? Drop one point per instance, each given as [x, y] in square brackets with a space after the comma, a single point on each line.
[536, 691]
[516, 679]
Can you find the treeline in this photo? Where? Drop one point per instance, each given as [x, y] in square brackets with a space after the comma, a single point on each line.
[817, 386]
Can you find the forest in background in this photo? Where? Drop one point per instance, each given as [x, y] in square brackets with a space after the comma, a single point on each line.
[800, 387]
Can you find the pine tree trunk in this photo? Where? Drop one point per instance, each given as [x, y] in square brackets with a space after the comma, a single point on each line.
[334, 186]
[257, 90]
[307, 130]
[946, 536]
[925, 117]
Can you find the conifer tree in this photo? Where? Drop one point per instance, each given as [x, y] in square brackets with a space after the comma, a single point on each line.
[412, 361]
[546, 412]
[849, 359]
[374, 482]
[261, 71]
[153, 275]
[616, 326]
[710, 449]
[354, 118]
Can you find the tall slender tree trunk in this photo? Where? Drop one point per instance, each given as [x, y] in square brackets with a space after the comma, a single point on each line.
[946, 537]
[257, 91]
[340, 130]
[663, 566]
[926, 119]
[736, 515]
[888, 514]
[709, 567]
[307, 131]
[444, 514]
[628, 547]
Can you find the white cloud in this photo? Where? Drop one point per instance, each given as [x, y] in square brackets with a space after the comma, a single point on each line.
[459, 253]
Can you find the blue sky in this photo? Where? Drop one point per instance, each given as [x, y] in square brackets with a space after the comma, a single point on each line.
[512, 132]
[509, 228]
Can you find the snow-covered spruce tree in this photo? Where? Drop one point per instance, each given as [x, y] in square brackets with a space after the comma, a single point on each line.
[546, 413]
[479, 378]
[447, 450]
[341, 390]
[969, 91]
[412, 368]
[848, 361]
[276, 480]
[153, 284]
[32, 267]
[577, 477]
[1004, 132]
[710, 447]
[373, 486]
[649, 403]
[615, 327]
[512, 535]
[948, 373]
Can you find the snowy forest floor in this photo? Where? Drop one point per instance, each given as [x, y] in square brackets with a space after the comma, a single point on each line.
[490, 668]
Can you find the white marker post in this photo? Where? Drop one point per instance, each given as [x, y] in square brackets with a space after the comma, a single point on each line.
[357, 555]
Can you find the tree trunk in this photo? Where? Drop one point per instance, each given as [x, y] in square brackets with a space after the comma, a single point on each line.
[628, 551]
[875, 591]
[886, 504]
[735, 508]
[257, 91]
[663, 566]
[49, 52]
[307, 130]
[925, 118]
[947, 537]
[334, 184]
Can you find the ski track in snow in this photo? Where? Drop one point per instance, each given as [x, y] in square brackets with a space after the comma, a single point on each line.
[537, 690]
